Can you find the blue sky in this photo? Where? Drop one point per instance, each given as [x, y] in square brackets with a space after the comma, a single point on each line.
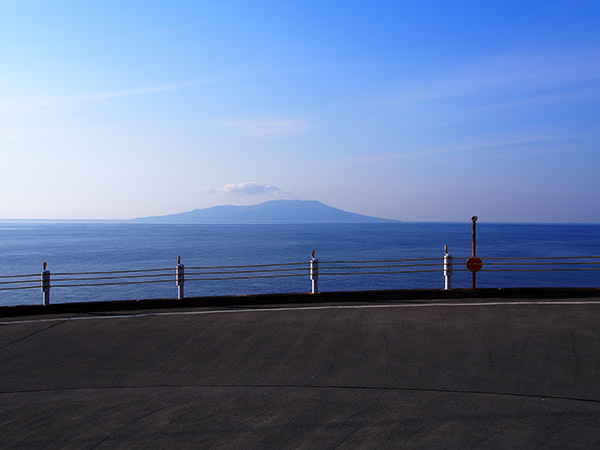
[412, 110]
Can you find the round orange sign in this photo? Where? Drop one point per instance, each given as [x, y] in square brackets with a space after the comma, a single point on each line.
[474, 264]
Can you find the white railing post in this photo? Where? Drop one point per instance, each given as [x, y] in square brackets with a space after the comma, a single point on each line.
[179, 278]
[447, 269]
[314, 273]
[45, 286]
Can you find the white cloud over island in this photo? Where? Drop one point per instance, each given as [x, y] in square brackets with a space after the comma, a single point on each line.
[250, 188]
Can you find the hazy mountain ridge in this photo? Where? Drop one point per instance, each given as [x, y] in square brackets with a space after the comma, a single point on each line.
[270, 211]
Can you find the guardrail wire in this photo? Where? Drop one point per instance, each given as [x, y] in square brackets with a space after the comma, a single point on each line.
[299, 269]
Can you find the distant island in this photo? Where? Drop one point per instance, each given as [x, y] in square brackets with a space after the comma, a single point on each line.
[277, 211]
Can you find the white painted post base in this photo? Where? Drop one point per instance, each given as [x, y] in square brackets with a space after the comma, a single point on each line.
[45, 286]
[447, 269]
[179, 279]
[314, 275]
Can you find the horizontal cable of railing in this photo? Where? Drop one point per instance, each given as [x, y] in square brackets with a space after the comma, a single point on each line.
[380, 266]
[110, 284]
[227, 272]
[20, 276]
[542, 257]
[246, 278]
[380, 261]
[128, 277]
[17, 288]
[541, 264]
[142, 276]
[246, 266]
[170, 269]
[560, 263]
[115, 277]
[377, 272]
[580, 269]
[21, 281]
[373, 267]
[18, 280]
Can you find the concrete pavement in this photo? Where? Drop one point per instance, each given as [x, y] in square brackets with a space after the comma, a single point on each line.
[431, 374]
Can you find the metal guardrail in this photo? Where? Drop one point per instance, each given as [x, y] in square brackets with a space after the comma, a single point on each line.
[446, 265]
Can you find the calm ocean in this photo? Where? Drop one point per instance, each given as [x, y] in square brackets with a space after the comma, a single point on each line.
[87, 247]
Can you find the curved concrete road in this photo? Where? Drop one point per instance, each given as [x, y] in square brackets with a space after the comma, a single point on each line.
[422, 375]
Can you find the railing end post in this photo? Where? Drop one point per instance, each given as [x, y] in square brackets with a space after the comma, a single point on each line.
[179, 278]
[45, 285]
[314, 273]
[447, 269]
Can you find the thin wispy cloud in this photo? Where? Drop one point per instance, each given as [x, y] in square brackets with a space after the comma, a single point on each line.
[156, 32]
[451, 114]
[483, 143]
[12, 133]
[105, 95]
[509, 72]
[29, 104]
[267, 126]
[506, 90]
[499, 142]
[534, 71]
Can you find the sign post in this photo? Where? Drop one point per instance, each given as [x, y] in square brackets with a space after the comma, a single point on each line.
[474, 264]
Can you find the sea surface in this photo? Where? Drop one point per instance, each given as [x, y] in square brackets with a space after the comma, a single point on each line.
[100, 247]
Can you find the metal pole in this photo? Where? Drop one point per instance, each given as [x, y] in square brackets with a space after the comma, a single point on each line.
[474, 220]
[447, 269]
[179, 278]
[314, 273]
[45, 286]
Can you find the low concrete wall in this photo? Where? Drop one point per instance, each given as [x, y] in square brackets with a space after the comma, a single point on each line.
[299, 298]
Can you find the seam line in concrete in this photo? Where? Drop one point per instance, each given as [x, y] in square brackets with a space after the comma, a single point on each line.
[31, 335]
[324, 387]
